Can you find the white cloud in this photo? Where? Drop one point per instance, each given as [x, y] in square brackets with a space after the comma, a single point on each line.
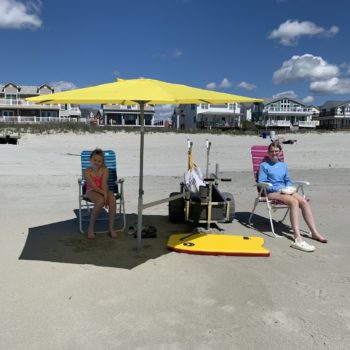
[290, 94]
[176, 53]
[289, 32]
[331, 86]
[225, 83]
[346, 66]
[14, 14]
[62, 85]
[332, 31]
[211, 86]
[308, 100]
[306, 67]
[246, 86]
[170, 54]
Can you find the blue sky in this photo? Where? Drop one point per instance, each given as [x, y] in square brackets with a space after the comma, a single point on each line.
[261, 48]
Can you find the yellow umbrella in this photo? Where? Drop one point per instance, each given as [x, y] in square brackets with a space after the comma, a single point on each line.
[140, 91]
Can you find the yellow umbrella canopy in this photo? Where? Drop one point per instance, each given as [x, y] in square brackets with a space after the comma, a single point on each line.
[140, 91]
[137, 90]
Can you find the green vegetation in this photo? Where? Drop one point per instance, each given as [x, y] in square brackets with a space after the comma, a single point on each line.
[248, 128]
[81, 128]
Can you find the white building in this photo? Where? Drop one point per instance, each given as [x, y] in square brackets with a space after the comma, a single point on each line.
[208, 116]
[286, 113]
[15, 109]
[335, 115]
[121, 115]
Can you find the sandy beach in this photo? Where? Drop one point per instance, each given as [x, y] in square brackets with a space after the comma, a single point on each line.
[61, 291]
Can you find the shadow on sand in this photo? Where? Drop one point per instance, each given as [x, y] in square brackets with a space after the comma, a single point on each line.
[62, 242]
[262, 225]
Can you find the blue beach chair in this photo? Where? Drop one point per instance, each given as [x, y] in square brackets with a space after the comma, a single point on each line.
[115, 185]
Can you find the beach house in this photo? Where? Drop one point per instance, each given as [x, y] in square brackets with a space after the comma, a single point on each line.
[129, 115]
[284, 112]
[15, 109]
[335, 115]
[208, 116]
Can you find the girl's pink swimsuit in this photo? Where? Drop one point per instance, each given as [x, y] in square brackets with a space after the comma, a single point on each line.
[98, 182]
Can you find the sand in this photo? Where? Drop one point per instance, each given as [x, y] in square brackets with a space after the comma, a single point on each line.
[61, 291]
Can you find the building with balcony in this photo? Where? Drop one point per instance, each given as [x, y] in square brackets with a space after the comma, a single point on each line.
[208, 116]
[120, 115]
[15, 109]
[335, 115]
[285, 112]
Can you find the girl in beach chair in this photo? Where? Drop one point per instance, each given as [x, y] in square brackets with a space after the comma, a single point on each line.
[98, 192]
[275, 173]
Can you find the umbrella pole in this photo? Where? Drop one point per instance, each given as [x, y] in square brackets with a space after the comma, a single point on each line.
[140, 202]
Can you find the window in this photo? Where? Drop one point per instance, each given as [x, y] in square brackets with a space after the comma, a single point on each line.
[8, 113]
[48, 114]
[218, 106]
[10, 99]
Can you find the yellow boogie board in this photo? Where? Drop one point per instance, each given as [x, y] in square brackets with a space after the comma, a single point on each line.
[211, 244]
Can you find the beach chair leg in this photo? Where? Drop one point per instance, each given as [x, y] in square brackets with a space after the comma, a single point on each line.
[252, 213]
[272, 226]
[81, 224]
[122, 214]
[80, 218]
[121, 206]
[80, 199]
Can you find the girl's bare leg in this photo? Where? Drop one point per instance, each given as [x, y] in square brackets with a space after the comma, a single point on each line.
[308, 217]
[98, 201]
[111, 218]
[293, 205]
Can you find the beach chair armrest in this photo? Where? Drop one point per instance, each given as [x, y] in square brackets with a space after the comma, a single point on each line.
[301, 183]
[120, 182]
[81, 181]
[300, 186]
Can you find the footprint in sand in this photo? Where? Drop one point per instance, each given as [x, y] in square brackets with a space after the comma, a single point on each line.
[278, 319]
[307, 290]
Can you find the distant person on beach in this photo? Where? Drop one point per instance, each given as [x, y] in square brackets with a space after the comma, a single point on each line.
[97, 192]
[276, 172]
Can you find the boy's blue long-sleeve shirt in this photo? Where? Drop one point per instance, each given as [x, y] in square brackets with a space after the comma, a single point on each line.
[276, 174]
